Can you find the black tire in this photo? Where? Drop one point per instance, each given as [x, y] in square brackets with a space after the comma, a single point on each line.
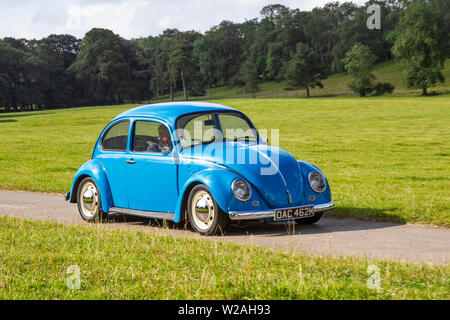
[215, 219]
[96, 213]
[309, 220]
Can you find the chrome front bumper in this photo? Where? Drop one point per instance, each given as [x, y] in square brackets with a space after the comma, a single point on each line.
[267, 214]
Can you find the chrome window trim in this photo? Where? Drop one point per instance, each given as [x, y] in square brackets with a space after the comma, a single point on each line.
[236, 113]
[145, 153]
[106, 132]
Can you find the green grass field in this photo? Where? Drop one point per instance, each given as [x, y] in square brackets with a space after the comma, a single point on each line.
[37, 259]
[386, 158]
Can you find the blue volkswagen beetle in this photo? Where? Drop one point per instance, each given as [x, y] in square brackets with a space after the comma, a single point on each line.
[201, 163]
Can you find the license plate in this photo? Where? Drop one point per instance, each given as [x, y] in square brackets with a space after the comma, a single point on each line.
[294, 213]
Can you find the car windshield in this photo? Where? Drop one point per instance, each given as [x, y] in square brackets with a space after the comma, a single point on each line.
[210, 127]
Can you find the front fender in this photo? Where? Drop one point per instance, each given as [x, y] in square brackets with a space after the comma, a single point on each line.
[319, 198]
[94, 170]
[218, 181]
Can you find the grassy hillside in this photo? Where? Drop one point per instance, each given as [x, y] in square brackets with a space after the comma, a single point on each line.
[38, 259]
[337, 84]
[386, 158]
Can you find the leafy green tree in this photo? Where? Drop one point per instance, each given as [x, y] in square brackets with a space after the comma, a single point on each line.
[109, 67]
[204, 52]
[275, 63]
[182, 62]
[358, 63]
[16, 74]
[249, 74]
[53, 55]
[152, 52]
[303, 71]
[281, 33]
[227, 41]
[100, 66]
[179, 61]
[421, 45]
[441, 11]
[352, 28]
[62, 71]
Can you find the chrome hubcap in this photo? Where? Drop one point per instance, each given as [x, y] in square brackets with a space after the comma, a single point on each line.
[203, 211]
[89, 200]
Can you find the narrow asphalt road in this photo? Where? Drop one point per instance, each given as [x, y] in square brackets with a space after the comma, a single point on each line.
[334, 237]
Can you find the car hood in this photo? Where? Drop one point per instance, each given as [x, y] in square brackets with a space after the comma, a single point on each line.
[274, 172]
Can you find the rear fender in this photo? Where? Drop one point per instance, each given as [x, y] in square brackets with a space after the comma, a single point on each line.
[94, 170]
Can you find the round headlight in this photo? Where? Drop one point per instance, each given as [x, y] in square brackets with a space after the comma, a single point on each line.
[317, 181]
[241, 189]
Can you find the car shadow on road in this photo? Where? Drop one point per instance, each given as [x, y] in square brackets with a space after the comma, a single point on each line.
[381, 215]
[340, 219]
[118, 218]
[331, 222]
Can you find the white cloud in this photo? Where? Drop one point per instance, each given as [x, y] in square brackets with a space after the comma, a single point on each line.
[115, 16]
[129, 18]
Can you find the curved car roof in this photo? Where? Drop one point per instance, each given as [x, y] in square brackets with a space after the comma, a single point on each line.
[170, 111]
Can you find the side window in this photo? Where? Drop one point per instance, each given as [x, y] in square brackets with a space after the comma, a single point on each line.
[115, 139]
[150, 136]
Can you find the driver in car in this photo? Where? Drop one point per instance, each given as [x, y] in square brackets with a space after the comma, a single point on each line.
[164, 143]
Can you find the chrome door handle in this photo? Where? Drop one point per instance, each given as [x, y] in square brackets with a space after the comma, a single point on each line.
[131, 161]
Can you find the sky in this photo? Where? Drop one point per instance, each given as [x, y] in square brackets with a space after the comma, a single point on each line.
[35, 19]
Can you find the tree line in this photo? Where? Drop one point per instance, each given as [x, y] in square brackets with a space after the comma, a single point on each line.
[302, 47]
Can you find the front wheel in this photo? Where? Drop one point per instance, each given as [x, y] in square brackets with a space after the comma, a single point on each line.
[309, 220]
[204, 215]
[89, 201]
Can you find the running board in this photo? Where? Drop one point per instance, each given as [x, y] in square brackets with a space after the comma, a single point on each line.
[145, 214]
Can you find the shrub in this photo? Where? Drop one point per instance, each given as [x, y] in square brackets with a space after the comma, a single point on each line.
[382, 88]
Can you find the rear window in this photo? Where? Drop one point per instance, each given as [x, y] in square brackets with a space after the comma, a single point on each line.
[115, 139]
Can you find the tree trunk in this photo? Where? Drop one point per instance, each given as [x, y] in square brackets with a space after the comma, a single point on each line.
[171, 88]
[424, 91]
[13, 99]
[184, 85]
[307, 92]
[157, 88]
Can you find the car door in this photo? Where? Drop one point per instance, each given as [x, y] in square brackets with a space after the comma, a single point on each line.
[113, 156]
[152, 169]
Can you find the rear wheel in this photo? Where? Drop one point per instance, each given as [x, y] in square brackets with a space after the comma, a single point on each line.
[89, 201]
[204, 215]
[309, 220]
